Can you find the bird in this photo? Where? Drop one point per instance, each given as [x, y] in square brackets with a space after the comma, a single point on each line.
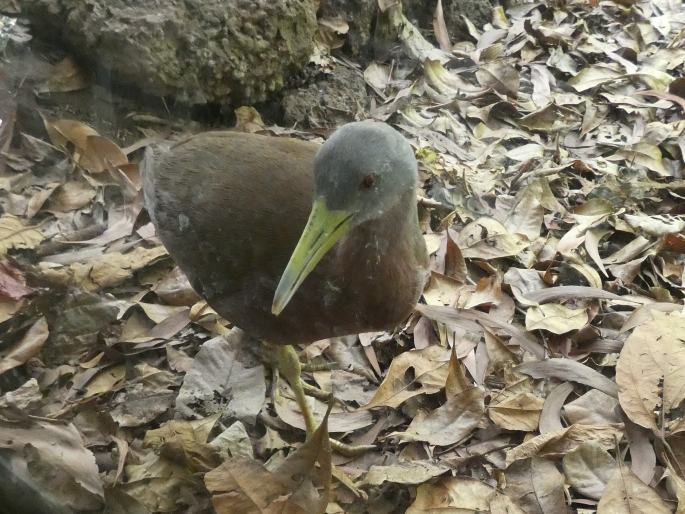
[290, 240]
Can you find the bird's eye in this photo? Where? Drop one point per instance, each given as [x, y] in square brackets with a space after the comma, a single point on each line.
[367, 182]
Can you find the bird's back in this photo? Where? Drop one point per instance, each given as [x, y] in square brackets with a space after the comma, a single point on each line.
[230, 207]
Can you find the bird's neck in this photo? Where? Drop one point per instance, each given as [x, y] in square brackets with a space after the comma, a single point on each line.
[384, 234]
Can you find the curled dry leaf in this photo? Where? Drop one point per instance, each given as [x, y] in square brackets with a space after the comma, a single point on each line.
[107, 270]
[649, 372]
[160, 484]
[186, 442]
[487, 238]
[550, 417]
[455, 419]
[94, 152]
[411, 374]
[66, 76]
[463, 317]
[567, 369]
[559, 443]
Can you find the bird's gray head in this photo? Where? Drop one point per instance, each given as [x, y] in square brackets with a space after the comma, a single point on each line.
[362, 171]
[364, 168]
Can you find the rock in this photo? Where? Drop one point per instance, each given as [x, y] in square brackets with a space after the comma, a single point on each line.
[333, 99]
[199, 51]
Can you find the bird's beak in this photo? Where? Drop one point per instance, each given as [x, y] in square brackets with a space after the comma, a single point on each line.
[322, 231]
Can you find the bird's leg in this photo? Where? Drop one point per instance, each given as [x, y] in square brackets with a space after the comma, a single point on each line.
[290, 368]
[286, 360]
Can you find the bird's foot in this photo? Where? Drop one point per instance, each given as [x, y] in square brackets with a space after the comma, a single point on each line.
[286, 362]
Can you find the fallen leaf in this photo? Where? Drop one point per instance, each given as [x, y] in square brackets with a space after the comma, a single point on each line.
[555, 318]
[589, 469]
[516, 412]
[561, 442]
[536, 486]
[297, 486]
[26, 348]
[410, 472]
[14, 234]
[223, 368]
[455, 419]
[60, 465]
[651, 385]
[567, 369]
[626, 494]
[411, 374]
[12, 282]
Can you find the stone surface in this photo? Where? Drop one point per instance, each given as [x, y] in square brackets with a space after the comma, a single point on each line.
[199, 51]
[332, 99]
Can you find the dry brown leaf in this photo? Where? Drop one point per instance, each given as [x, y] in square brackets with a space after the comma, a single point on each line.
[60, 465]
[550, 417]
[411, 374]
[454, 420]
[500, 76]
[100, 154]
[536, 486]
[105, 380]
[516, 412]
[297, 486]
[555, 318]
[651, 384]
[442, 290]
[160, 484]
[561, 442]
[487, 238]
[186, 442]
[567, 369]
[71, 195]
[340, 418]
[589, 469]
[223, 375]
[108, 270]
[459, 495]
[462, 317]
[440, 29]
[12, 282]
[27, 347]
[62, 132]
[593, 76]
[14, 234]
[410, 472]
[627, 494]
[66, 76]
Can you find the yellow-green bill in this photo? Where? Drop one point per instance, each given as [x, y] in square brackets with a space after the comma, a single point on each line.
[324, 228]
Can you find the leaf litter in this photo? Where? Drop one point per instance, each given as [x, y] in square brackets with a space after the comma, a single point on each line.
[541, 373]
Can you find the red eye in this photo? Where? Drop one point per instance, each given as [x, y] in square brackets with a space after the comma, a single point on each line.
[367, 182]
